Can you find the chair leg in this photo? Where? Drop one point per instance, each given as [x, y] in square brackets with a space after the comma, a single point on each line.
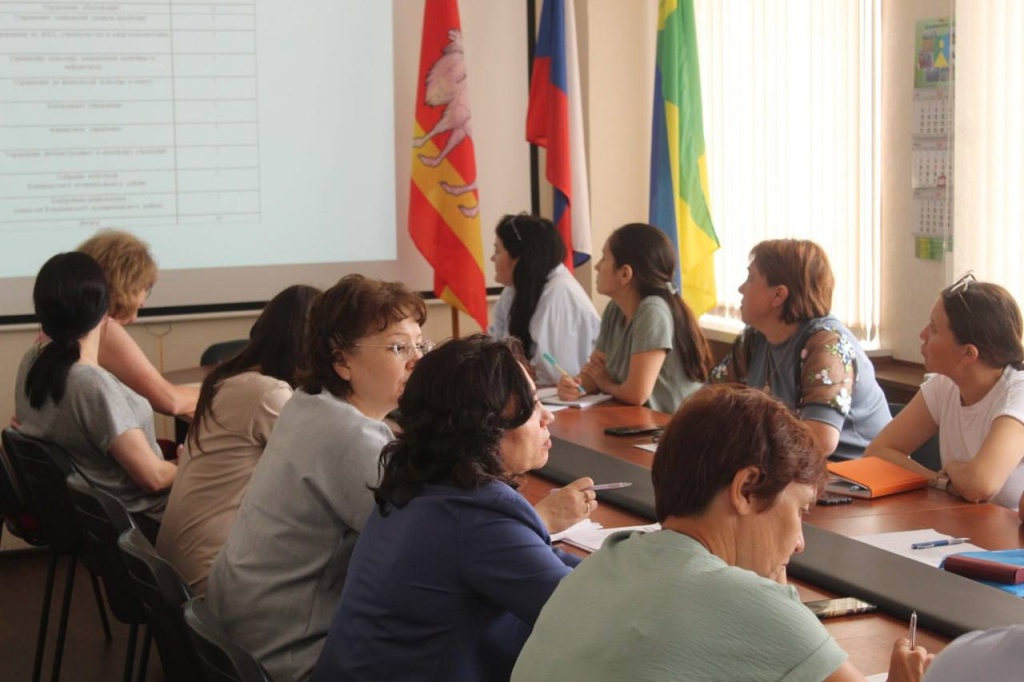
[99, 605]
[129, 655]
[62, 628]
[44, 618]
[144, 658]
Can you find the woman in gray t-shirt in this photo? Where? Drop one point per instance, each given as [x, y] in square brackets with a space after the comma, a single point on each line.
[66, 398]
[650, 350]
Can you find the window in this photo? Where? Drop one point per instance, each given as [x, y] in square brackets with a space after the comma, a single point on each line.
[989, 144]
[790, 90]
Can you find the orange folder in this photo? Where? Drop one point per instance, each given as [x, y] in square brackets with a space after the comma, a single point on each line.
[871, 477]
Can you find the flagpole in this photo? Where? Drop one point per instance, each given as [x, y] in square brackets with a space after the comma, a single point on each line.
[455, 322]
[531, 47]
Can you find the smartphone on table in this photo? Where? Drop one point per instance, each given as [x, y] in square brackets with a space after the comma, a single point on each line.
[843, 606]
[635, 430]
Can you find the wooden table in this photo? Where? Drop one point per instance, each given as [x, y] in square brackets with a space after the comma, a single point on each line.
[867, 638]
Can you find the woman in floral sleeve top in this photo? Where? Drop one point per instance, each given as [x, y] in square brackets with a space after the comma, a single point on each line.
[793, 348]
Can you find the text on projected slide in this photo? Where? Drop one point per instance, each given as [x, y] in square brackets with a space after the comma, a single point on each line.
[135, 114]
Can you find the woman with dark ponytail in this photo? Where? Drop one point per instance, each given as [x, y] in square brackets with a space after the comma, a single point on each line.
[542, 304]
[650, 350]
[66, 398]
[974, 401]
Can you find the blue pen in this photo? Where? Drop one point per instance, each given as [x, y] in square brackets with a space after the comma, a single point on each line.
[938, 543]
[554, 363]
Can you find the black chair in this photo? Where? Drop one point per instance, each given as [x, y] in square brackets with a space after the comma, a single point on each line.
[103, 518]
[221, 658]
[928, 454]
[39, 469]
[13, 514]
[222, 351]
[164, 593]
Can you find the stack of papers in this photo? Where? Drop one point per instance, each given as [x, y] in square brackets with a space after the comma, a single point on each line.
[589, 536]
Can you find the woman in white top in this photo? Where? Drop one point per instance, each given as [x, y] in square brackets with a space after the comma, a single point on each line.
[131, 273]
[972, 342]
[239, 403]
[542, 305]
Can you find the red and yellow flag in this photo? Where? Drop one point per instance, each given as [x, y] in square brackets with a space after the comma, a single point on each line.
[444, 211]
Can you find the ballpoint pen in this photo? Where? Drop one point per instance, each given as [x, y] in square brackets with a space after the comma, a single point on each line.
[554, 363]
[938, 543]
[913, 629]
[603, 486]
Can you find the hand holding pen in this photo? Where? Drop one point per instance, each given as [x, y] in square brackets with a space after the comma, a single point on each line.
[566, 383]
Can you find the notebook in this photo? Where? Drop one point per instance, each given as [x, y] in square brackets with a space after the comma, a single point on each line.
[582, 401]
[871, 477]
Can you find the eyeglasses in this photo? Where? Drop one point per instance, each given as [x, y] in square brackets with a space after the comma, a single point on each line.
[402, 350]
[960, 287]
[512, 224]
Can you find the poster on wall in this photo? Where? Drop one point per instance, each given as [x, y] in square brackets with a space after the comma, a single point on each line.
[932, 155]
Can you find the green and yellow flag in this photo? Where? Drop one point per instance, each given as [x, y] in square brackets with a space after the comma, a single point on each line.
[679, 177]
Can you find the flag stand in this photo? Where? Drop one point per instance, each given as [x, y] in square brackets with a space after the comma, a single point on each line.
[455, 321]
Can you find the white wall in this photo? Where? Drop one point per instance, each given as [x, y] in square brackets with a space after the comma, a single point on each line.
[617, 40]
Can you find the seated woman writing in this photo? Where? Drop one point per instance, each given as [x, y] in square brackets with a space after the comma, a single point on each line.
[453, 565]
[797, 351]
[65, 397]
[542, 304]
[972, 342]
[650, 350]
[705, 597]
[131, 273]
[238, 406]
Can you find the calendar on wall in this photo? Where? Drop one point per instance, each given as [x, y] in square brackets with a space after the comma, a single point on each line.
[932, 155]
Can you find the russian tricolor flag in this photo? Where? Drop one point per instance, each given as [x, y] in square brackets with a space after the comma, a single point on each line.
[555, 121]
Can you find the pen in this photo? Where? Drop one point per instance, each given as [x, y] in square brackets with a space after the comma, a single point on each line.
[603, 486]
[913, 629]
[938, 543]
[554, 363]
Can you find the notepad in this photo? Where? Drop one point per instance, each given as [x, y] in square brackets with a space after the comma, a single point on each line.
[871, 477]
[582, 401]
[590, 539]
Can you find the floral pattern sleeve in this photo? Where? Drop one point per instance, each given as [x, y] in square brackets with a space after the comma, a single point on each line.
[732, 368]
[829, 371]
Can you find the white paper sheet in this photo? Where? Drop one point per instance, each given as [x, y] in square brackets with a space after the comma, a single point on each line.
[899, 542]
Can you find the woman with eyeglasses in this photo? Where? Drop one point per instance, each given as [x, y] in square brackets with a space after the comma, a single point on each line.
[975, 401]
[239, 404]
[794, 348]
[276, 582]
[650, 350]
[454, 565]
[542, 304]
[131, 274]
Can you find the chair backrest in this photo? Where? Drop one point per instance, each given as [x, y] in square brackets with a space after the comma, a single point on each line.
[103, 518]
[222, 351]
[221, 658]
[14, 512]
[926, 455]
[163, 593]
[41, 467]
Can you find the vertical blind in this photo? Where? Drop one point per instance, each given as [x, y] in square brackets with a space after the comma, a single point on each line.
[790, 91]
[989, 144]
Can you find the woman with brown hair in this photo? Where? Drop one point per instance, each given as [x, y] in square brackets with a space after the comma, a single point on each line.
[650, 350]
[131, 274]
[972, 342]
[796, 350]
[275, 583]
[705, 597]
